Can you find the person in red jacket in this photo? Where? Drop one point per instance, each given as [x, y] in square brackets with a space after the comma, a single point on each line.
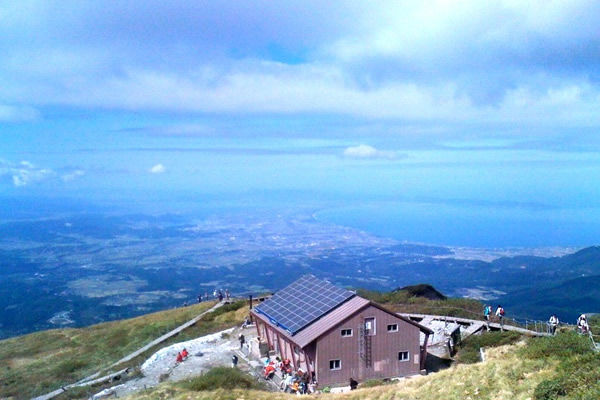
[179, 357]
[270, 370]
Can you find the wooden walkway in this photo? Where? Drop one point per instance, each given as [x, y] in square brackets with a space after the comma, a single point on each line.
[472, 325]
[93, 379]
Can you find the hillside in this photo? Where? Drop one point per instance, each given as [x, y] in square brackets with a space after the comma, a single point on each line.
[567, 300]
[529, 369]
[37, 363]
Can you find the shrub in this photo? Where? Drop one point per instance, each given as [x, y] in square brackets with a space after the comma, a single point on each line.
[578, 375]
[549, 389]
[561, 346]
[222, 377]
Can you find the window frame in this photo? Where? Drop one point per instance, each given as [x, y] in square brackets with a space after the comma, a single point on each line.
[404, 359]
[338, 361]
[347, 330]
[395, 328]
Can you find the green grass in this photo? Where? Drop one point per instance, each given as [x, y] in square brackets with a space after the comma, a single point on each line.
[469, 349]
[224, 378]
[37, 363]
[562, 346]
[404, 301]
[577, 375]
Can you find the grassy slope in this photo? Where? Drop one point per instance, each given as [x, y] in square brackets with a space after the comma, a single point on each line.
[537, 368]
[403, 301]
[41, 362]
[504, 376]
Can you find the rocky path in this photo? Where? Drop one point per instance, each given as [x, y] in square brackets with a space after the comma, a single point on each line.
[206, 352]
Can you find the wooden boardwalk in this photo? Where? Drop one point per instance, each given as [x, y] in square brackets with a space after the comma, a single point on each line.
[473, 325]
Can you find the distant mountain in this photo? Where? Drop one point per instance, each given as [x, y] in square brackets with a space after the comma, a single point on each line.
[567, 300]
[423, 290]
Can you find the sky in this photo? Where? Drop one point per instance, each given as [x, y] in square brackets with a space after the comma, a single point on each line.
[344, 101]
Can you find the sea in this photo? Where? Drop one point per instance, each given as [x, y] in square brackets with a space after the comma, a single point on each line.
[471, 224]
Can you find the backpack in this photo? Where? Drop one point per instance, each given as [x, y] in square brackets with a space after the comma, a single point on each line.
[502, 311]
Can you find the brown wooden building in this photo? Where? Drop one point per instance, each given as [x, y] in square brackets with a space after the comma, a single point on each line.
[335, 335]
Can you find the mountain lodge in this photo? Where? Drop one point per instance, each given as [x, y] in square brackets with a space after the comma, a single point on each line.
[335, 335]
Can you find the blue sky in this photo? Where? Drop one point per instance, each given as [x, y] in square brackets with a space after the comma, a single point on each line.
[341, 100]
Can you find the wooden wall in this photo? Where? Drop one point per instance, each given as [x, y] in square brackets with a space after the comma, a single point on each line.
[385, 347]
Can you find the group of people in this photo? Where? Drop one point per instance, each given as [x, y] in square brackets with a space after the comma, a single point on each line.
[487, 312]
[583, 326]
[217, 294]
[292, 381]
[182, 355]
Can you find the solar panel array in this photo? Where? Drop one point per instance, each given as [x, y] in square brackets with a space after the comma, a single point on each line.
[302, 302]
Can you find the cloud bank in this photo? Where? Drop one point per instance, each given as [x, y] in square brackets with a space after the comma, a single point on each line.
[490, 62]
[26, 173]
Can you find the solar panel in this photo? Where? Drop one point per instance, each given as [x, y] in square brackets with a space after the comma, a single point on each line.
[304, 301]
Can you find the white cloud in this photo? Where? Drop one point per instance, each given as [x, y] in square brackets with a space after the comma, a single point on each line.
[24, 173]
[157, 169]
[68, 177]
[366, 151]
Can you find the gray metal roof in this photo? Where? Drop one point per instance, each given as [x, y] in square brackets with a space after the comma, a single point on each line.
[302, 302]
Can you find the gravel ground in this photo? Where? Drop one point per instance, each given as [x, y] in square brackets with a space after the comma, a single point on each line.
[205, 352]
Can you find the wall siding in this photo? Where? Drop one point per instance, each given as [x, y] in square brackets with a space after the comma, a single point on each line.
[385, 348]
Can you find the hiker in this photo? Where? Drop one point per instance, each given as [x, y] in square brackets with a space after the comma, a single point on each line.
[487, 310]
[246, 323]
[215, 293]
[200, 298]
[286, 367]
[234, 361]
[220, 295]
[287, 383]
[184, 353]
[304, 378]
[179, 358]
[353, 384]
[582, 324]
[500, 315]
[242, 340]
[269, 370]
[227, 295]
[553, 323]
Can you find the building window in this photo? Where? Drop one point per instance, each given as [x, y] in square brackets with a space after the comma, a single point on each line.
[393, 328]
[370, 326]
[403, 356]
[335, 364]
[346, 332]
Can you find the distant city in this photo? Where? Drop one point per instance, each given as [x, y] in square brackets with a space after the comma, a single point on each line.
[85, 268]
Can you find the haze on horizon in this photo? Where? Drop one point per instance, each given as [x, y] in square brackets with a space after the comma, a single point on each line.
[489, 106]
